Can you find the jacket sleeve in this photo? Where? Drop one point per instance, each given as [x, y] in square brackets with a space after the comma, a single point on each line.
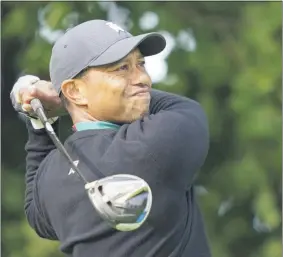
[38, 148]
[175, 136]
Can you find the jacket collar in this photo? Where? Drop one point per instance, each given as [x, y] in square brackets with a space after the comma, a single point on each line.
[88, 125]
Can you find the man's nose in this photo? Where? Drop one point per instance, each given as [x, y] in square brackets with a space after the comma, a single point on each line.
[139, 78]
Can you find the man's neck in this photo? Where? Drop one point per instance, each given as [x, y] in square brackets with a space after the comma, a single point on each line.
[79, 115]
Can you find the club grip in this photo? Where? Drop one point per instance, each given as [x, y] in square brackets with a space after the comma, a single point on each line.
[35, 104]
[38, 109]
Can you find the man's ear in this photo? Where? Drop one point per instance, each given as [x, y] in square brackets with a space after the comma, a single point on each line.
[73, 90]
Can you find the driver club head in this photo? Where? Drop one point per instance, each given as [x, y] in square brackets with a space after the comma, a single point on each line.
[124, 201]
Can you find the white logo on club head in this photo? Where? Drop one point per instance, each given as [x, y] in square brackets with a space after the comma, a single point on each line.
[114, 26]
[71, 170]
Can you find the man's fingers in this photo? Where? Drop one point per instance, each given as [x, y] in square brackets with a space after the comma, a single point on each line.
[46, 92]
[23, 82]
[27, 94]
[28, 88]
[27, 107]
[44, 96]
[23, 93]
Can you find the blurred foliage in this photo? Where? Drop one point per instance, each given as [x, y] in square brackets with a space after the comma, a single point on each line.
[234, 71]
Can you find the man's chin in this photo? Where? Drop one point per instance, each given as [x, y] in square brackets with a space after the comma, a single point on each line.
[140, 115]
[143, 114]
[135, 116]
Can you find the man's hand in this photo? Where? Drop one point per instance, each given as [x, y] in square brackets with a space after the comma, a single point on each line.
[29, 87]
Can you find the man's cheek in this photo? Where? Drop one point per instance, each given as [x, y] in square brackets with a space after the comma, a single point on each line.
[114, 81]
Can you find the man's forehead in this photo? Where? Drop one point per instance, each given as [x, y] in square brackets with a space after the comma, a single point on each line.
[136, 53]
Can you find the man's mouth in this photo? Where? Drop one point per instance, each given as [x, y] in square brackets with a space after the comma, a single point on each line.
[141, 91]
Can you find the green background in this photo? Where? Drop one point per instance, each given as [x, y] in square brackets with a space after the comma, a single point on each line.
[233, 69]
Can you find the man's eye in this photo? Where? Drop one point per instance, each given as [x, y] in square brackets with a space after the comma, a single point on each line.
[124, 67]
[141, 63]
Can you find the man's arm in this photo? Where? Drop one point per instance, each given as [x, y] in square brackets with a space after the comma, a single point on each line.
[38, 147]
[175, 135]
[39, 144]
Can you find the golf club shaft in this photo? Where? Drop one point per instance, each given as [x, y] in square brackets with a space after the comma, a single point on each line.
[39, 110]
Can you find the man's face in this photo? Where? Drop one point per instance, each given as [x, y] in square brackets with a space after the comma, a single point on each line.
[118, 92]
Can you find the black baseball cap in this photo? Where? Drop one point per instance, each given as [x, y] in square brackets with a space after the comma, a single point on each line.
[96, 43]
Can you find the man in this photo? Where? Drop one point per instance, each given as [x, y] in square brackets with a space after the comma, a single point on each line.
[121, 125]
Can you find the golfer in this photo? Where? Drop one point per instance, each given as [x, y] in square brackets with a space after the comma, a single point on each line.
[121, 125]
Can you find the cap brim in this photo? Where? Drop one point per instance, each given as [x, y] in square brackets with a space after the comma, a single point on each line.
[149, 44]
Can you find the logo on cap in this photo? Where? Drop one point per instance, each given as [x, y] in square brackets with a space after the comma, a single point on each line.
[114, 26]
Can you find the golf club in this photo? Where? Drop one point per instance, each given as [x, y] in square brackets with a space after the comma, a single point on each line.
[124, 201]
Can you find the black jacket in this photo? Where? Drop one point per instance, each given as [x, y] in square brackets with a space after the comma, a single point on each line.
[166, 149]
